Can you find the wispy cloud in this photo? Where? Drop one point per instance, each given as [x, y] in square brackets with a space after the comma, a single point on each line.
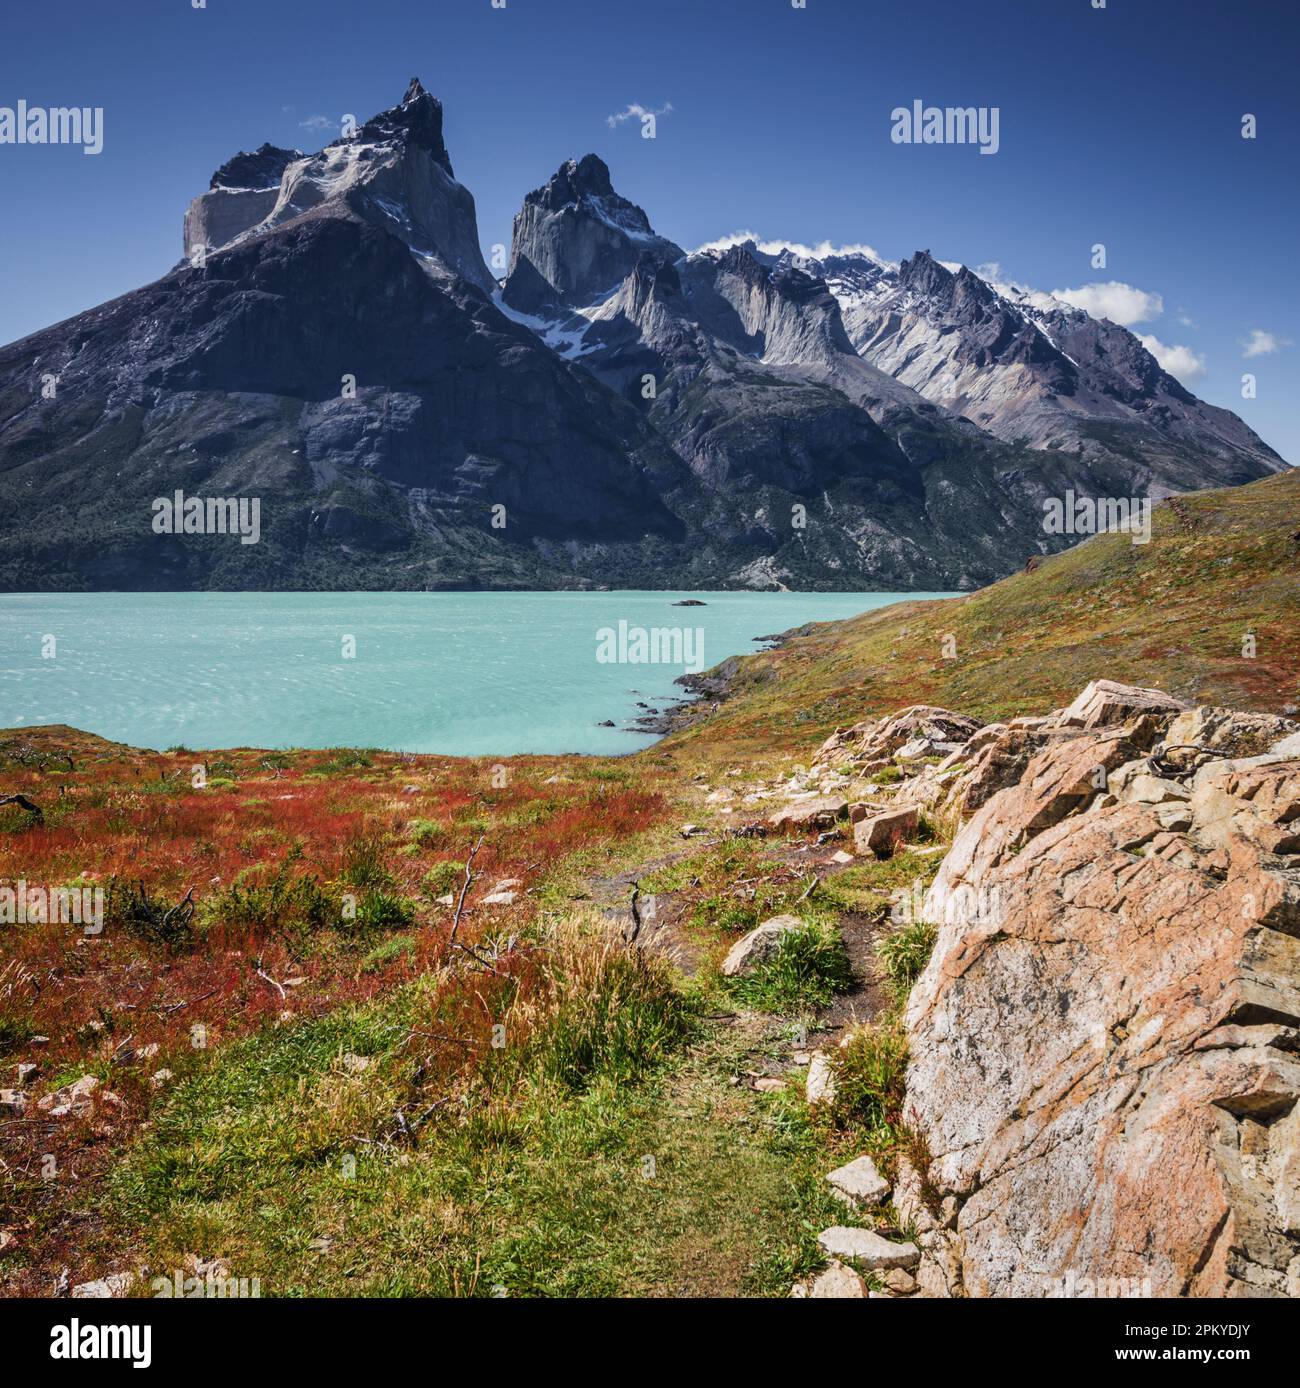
[1178, 360]
[1121, 303]
[1262, 344]
[637, 111]
[317, 123]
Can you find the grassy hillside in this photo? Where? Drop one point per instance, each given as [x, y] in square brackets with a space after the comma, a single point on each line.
[1174, 613]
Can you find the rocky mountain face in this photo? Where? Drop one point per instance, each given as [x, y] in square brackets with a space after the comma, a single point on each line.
[334, 344]
[1104, 1067]
[1027, 366]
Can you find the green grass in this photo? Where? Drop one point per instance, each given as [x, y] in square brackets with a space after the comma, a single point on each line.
[870, 1078]
[808, 969]
[902, 954]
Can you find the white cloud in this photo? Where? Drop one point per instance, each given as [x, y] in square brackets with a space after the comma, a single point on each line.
[818, 252]
[1262, 344]
[991, 272]
[637, 110]
[1178, 360]
[1121, 303]
[317, 123]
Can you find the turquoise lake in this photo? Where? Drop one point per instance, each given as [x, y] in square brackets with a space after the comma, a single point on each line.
[454, 673]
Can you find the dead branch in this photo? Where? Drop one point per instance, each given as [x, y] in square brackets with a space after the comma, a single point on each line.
[24, 803]
[460, 905]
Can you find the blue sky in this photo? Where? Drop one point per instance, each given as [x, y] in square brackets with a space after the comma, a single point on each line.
[1119, 126]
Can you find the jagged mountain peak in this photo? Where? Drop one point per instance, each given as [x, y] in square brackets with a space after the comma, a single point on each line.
[574, 179]
[576, 240]
[394, 171]
[262, 169]
[418, 117]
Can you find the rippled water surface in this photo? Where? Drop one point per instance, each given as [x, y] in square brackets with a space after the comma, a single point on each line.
[467, 673]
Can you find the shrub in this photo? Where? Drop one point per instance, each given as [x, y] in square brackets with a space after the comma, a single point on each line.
[442, 877]
[903, 954]
[282, 902]
[426, 832]
[363, 863]
[150, 918]
[807, 970]
[382, 911]
[604, 1009]
[870, 1073]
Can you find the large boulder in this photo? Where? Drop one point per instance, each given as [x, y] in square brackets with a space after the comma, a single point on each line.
[821, 812]
[1105, 1044]
[880, 834]
[921, 729]
[1104, 702]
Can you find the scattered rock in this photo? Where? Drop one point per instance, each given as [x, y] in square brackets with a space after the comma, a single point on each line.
[160, 1078]
[899, 1282]
[882, 833]
[27, 1071]
[820, 812]
[867, 1249]
[834, 1282]
[114, 1285]
[769, 1084]
[759, 945]
[75, 1099]
[354, 1064]
[13, 1101]
[821, 1079]
[859, 1182]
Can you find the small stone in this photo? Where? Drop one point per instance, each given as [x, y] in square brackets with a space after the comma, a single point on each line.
[860, 1182]
[688, 831]
[498, 898]
[160, 1078]
[114, 1285]
[448, 900]
[821, 1079]
[866, 1249]
[759, 945]
[840, 856]
[27, 1071]
[76, 1099]
[837, 1282]
[899, 1282]
[354, 1064]
[769, 1085]
[12, 1101]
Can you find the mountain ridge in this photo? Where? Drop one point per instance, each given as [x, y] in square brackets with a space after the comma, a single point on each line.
[632, 412]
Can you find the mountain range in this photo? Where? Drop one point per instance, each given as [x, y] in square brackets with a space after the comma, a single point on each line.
[615, 411]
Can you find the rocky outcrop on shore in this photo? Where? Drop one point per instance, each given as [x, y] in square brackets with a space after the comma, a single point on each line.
[1105, 1045]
